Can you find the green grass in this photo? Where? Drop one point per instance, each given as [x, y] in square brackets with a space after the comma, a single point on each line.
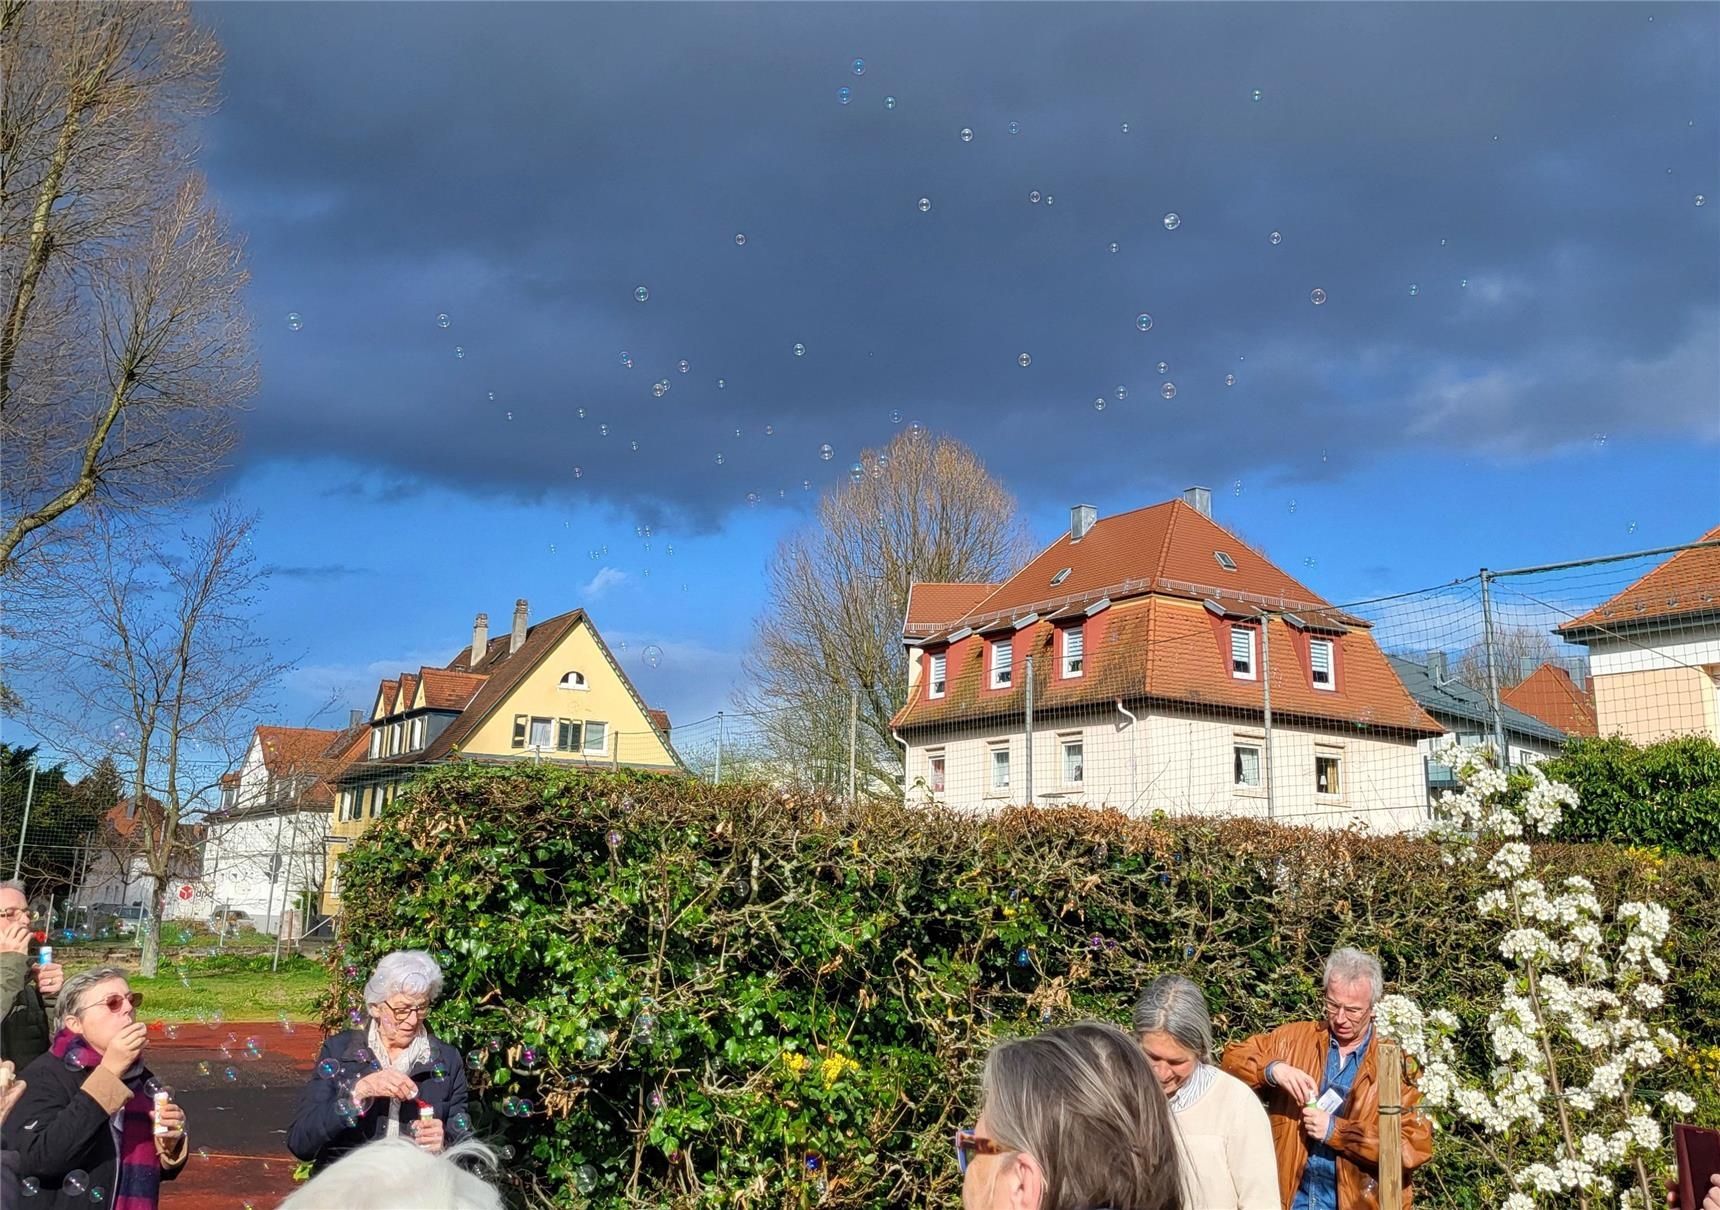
[239, 987]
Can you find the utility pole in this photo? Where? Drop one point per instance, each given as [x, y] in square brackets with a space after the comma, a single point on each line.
[853, 738]
[286, 889]
[1492, 674]
[29, 797]
[1266, 704]
[1029, 674]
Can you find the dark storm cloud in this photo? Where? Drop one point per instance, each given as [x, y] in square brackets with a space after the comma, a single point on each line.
[523, 168]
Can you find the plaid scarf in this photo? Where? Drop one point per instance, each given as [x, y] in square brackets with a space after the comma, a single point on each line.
[138, 1182]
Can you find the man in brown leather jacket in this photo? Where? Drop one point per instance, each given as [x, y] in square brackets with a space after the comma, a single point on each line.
[1322, 1095]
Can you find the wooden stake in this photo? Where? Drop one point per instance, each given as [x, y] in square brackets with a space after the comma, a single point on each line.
[1391, 1125]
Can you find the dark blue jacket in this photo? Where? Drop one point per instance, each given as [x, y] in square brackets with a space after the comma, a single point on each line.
[320, 1134]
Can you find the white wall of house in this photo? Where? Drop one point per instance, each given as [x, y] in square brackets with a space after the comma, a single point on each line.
[1180, 762]
[249, 862]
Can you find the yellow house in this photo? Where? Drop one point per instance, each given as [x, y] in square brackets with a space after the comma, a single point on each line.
[550, 692]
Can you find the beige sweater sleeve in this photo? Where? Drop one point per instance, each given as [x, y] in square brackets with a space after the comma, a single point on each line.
[1248, 1139]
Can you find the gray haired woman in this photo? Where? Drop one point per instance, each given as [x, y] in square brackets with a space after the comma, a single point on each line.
[1223, 1135]
[391, 1079]
[1069, 1120]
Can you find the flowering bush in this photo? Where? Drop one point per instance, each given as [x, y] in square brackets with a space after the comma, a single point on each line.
[1562, 1108]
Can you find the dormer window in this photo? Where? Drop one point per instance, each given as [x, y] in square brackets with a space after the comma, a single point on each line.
[573, 680]
[936, 674]
[1242, 652]
[1002, 663]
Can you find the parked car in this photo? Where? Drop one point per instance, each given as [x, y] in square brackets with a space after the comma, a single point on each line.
[228, 921]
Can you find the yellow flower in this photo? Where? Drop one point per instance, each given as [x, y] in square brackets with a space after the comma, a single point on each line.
[832, 1067]
[796, 1063]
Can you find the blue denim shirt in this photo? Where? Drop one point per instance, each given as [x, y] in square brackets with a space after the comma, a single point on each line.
[1319, 1187]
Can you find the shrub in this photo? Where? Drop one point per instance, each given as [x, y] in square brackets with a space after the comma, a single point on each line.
[1665, 795]
[710, 996]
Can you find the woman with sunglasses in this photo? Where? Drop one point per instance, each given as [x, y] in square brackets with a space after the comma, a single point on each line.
[390, 1079]
[1070, 1120]
[88, 1120]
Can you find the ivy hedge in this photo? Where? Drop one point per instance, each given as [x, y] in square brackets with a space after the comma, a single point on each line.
[1663, 795]
[673, 994]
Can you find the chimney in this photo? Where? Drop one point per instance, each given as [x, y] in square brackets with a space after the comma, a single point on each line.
[1081, 519]
[1436, 666]
[354, 717]
[480, 639]
[518, 638]
[1199, 499]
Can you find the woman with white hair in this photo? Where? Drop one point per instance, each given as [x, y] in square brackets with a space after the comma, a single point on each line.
[1223, 1135]
[392, 1174]
[391, 1079]
[1070, 1120]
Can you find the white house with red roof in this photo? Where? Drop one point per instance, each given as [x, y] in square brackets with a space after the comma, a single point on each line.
[1654, 649]
[1174, 669]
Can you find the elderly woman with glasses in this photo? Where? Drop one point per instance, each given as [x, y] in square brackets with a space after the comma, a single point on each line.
[1070, 1120]
[90, 1127]
[390, 1079]
[1223, 1136]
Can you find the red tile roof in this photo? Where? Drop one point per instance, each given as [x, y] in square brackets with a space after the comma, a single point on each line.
[660, 720]
[931, 604]
[408, 692]
[389, 693]
[1687, 584]
[292, 749]
[1550, 695]
[447, 690]
[1157, 641]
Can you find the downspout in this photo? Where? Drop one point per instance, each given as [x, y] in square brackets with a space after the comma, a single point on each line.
[897, 736]
[1134, 792]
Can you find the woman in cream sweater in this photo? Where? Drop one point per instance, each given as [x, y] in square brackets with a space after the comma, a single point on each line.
[1223, 1135]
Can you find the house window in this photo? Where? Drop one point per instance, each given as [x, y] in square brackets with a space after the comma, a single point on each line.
[541, 733]
[1072, 762]
[345, 805]
[1246, 758]
[1002, 663]
[519, 740]
[596, 738]
[1242, 652]
[1320, 662]
[935, 773]
[1000, 768]
[375, 742]
[573, 680]
[569, 735]
[1074, 643]
[939, 664]
[1327, 779]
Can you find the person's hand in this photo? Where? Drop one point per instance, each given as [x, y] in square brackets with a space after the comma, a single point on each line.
[427, 1133]
[1296, 1082]
[1711, 1202]
[171, 1116]
[385, 1083]
[14, 935]
[1316, 1122]
[127, 1044]
[49, 979]
[10, 1089]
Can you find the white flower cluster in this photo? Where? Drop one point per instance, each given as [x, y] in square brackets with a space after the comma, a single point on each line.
[1571, 1004]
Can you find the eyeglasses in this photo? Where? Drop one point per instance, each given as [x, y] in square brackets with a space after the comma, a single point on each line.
[406, 1012]
[969, 1144]
[1353, 1012]
[114, 1003]
[17, 914]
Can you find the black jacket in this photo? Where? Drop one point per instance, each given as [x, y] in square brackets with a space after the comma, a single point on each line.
[24, 1029]
[62, 1123]
[320, 1134]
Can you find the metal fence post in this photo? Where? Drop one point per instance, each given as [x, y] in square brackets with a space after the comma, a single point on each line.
[1029, 699]
[1492, 671]
[1266, 709]
[853, 738]
[29, 796]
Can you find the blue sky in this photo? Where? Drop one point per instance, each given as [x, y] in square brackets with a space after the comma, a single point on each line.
[1518, 358]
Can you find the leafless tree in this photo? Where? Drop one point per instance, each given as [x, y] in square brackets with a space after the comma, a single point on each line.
[924, 508]
[139, 642]
[125, 351]
[1517, 652]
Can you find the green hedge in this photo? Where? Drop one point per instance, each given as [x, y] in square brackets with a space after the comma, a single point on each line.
[1664, 795]
[734, 997]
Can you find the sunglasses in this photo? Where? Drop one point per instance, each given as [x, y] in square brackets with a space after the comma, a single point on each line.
[115, 1003]
[969, 1144]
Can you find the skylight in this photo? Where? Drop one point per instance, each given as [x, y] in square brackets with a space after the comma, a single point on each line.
[1061, 576]
[1224, 560]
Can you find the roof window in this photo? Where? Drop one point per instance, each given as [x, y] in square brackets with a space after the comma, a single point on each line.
[1224, 560]
[1061, 576]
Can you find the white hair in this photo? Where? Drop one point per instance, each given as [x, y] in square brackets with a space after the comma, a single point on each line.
[1350, 965]
[411, 971]
[398, 1174]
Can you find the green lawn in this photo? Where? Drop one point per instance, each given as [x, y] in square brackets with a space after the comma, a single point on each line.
[239, 987]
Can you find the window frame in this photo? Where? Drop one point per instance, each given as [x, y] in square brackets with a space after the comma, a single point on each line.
[1238, 745]
[567, 732]
[1007, 670]
[1336, 756]
[1078, 633]
[937, 771]
[1065, 743]
[937, 673]
[548, 743]
[1252, 672]
[602, 746]
[580, 684]
[992, 787]
[1330, 684]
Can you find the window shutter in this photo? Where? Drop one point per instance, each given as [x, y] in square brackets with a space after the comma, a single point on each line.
[519, 731]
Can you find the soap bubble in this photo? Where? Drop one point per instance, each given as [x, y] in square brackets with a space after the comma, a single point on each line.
[740, 239]
[653, 655]
[76, 1182]
[1033, 196]
[461, 1123]
[31, 1186]
[1125, 128]
[1169, 390]
[634, 446]
[925, 205]
[1025, 360]
[1173, 220]
[1144, 322]
[328, 1069]
[585, 1178]
[825, 452]
[1015, 128]
[1292, 506]
[1257, 94]
[682, 365]
[578, 472]
[203, 1068]
[459, 352]
[73, 1058]
[442, 320]
[363, 1055]
[172, 1031]
[295, 321]
[916, 430]
[719, 459]
[603, 430]
[528, 1058]
[626, 359]
[230, 1075]
[889, 102]
[859, 66]
[642, 294]
[658, 389]
[253, 1048]
[1414, 289]
[1114, 246]
[895, 415]
[799, 350]
[1022, 957]
[1049, 199]
[98, 1195]
[613, 839]
[1230, 380]
[967, 134]
[1701, 200]
[1098, 403]
[1316, 296]
[1164, 367]
[844, 95]
[856, 472]
[1277, 237]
